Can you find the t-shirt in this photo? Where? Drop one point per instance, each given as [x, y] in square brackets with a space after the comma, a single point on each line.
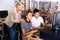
[18, 15]
[26, 25]
[37, 22]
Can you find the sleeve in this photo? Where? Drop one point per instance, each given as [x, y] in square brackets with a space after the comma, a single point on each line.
[23, 25]
[42, 21]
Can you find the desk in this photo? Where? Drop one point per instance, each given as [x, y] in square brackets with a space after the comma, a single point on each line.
[48, 25]
[31, 38]
[1, 22]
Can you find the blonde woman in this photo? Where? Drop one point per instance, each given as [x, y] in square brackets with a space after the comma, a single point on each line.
[14, 16]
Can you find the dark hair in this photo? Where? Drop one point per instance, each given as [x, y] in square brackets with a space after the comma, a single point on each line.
[27, 12]
[35, 10]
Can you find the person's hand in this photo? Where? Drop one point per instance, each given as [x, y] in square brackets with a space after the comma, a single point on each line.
[34, 28]
[34, 31]
[46, 21]
[22, 20]
[0, 20]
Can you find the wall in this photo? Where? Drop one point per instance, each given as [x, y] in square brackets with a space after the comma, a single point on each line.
[6, 4]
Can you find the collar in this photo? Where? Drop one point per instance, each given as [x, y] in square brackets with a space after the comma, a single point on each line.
[27, 21]
[15, 10]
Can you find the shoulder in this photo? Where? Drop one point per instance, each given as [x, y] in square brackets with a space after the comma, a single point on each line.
[11, 9]
[40, 17]
[33, 17]
[24, 22]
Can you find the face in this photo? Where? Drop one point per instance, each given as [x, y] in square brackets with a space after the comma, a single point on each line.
[20, 7]
[37, 14]
[29, 16]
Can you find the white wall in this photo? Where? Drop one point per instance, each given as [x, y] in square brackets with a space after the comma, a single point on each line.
[27, 4]
[6, 4]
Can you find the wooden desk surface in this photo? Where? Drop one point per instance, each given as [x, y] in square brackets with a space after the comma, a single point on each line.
[31, 38]
[1, 22]
[49, 25]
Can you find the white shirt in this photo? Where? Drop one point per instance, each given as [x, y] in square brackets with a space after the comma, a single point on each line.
[18, 16]
[37, 22]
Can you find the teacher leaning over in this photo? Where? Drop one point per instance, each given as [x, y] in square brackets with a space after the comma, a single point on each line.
[14, 16]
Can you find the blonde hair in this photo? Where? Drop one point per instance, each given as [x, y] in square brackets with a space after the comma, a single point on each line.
[19, 3]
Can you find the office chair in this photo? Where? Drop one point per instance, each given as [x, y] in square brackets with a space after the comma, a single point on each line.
[3, 15]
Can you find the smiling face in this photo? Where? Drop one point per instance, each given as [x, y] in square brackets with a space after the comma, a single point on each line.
[37, 14]
[19, 6]
[29, 16]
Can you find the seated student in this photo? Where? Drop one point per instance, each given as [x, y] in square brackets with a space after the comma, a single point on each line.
[37, 20]
[27, 25]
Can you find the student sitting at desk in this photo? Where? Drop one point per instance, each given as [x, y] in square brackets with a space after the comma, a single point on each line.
[37, 20]
[27, 25]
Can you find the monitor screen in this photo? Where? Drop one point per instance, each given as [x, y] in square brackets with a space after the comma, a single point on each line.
[3, 14]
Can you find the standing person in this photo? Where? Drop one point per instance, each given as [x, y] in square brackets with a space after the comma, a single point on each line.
[14, 16]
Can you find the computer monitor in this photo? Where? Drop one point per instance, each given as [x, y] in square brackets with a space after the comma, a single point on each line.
[3, 14]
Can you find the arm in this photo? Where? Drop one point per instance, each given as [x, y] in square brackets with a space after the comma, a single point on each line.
[45, 23]
[27, 33]
[12, 16]
[16, 20]
[37, 28]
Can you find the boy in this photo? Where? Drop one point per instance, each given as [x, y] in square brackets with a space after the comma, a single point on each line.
[27, 25]
[37, 20]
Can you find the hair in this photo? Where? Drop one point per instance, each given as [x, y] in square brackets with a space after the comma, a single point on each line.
[35, 10]
[27, 12]
[18, 3]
